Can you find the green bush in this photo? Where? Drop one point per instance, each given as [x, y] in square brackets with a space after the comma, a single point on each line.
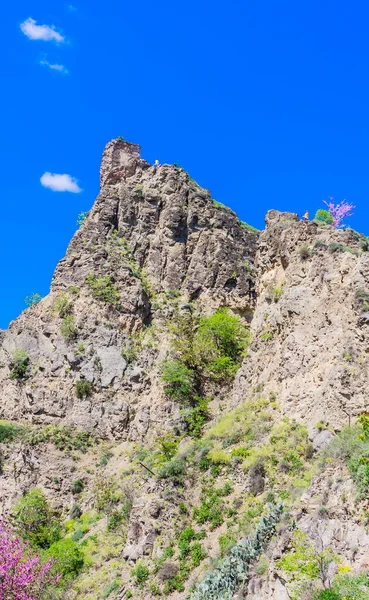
[196, 417]
[304, 251]
[83, 388]
[62, 306]
[19, 364]
[140, 573]
[75, 512]
[81, 218]
[324, 216]
[173, 470]
[220, 343]
[179, 381]
[67, 557]
[103, 288]
[77, 486]
[35, 521]
[68, 328]
[32, 299]
[11, 431]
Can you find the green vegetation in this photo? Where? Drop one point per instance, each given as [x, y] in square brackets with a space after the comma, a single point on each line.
[196, 417]
[35, 521]
[103, 288]
[304, 251]
[67, 558]
[362, 299]
[249, 228]
[32, 299]
[306, 564]
[352, 446]
[225, 580]
[324, 216]
[64, 438]
[219, 344]
[81, 219]
[62, 306]
[83, 388]
[346, 587]
[179, 381]
[77, 486]
[68, 328]
[11, 431]
[19, 365]
[140, 573]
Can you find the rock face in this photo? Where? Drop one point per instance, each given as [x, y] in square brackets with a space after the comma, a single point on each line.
[151, 231]
[309, 331]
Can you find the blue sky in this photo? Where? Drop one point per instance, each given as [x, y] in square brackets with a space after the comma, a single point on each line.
[265, 103]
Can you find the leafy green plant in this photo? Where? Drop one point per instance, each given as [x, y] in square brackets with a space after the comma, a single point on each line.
[83, 388]
[249, 228]
[179, 381]
[68, 328]
[220, 342]
[77, 486]
[197, 416]
[19, 365]
[35, 521]
[103, 288]
[304, 251]
[75, 512]
[62, 305]
[11, 431]
[174, 470]
[362, 299]
[141, 573]
[81, 218]
[67, 557]
[324, 216]
[308, 562]
[32, 299]
[224, 581]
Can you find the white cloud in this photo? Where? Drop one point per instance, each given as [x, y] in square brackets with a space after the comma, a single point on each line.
[60, 183]
[54, 66]
[40, 32]
[71, 8]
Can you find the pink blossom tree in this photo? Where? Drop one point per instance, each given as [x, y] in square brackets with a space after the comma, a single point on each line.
[23, 576]
[339, 211]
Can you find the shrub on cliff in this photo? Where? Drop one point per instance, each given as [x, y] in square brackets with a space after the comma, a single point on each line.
[179, 381]
[103, 288]
[35, 521]
[83, 388]
[67, 557]
[324, 216]
[219, 343]
[19, 364]
[68, 328]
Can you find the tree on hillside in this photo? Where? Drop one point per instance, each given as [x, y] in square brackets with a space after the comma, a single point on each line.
[23, 576]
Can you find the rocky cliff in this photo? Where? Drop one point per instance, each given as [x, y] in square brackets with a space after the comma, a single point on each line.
[150, 232]
[83, 396]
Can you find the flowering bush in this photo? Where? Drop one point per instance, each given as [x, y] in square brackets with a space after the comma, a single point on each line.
[22, 574]
[339, 211]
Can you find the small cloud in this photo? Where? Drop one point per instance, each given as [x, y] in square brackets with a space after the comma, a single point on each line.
[40, 32]
[54, 67]
[60, 183]
[71, 8]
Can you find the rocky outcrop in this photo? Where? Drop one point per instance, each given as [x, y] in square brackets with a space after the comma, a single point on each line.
[150, 232]
[310, 330]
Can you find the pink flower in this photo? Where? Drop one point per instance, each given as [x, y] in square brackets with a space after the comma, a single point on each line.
[339, 211]
[22, 574]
